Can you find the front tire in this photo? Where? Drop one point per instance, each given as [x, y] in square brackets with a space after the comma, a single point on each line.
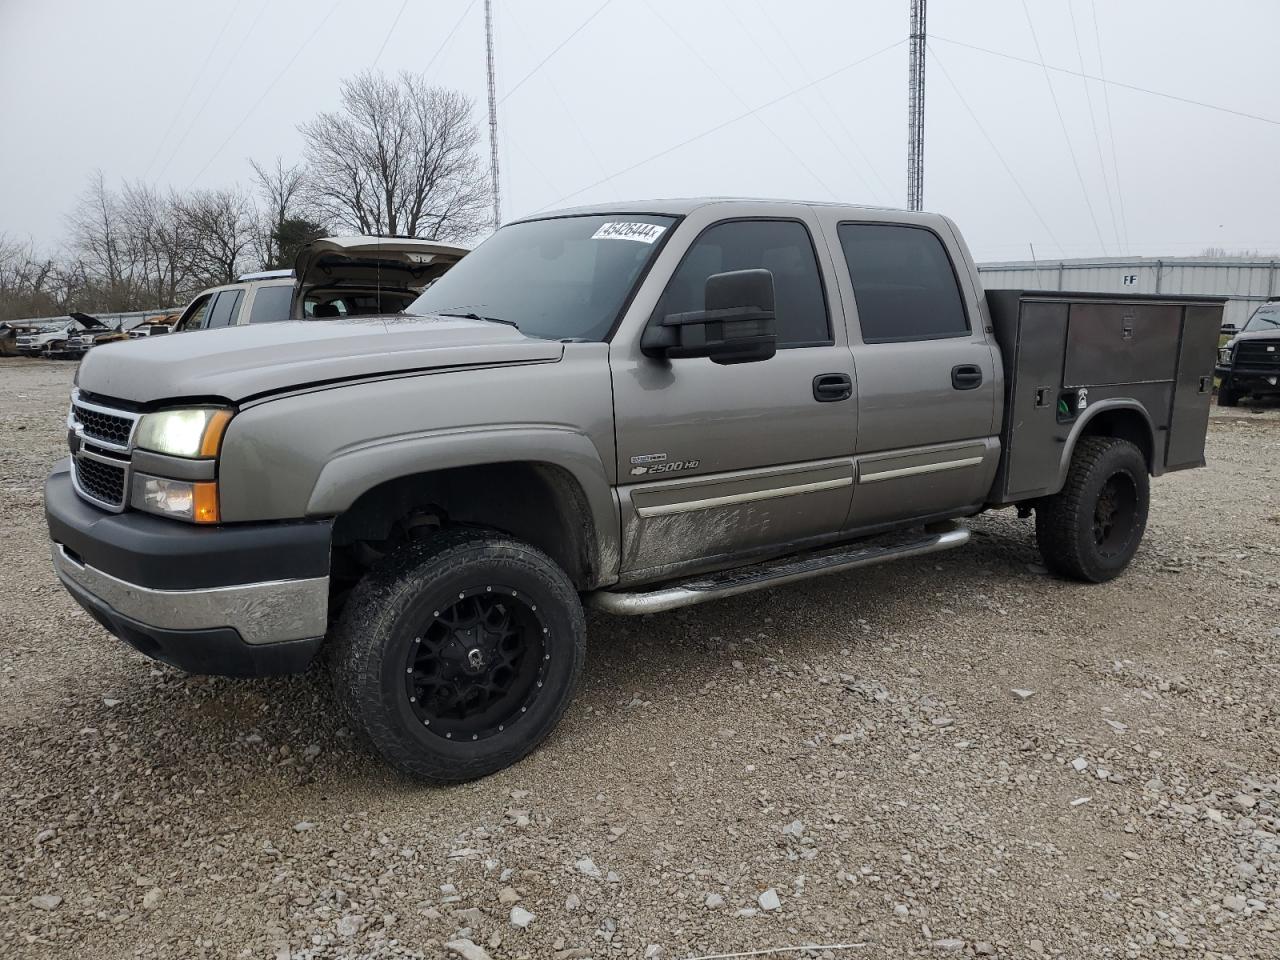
[1091, 529]
[1227, 395]
[457, 656]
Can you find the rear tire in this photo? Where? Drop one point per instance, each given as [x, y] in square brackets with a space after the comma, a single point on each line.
[457, 656]
[1227, 396]
[1092, 528]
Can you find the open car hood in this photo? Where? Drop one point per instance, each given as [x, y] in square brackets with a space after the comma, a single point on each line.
[391, 262]
[89, 322]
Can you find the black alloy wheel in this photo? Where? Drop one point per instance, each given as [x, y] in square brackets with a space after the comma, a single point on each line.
[457, 655]
[478, 664]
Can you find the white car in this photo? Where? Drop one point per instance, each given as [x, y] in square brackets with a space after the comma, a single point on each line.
[333, 277]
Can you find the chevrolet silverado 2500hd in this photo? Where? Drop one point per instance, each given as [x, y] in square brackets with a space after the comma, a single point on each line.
[637, 407]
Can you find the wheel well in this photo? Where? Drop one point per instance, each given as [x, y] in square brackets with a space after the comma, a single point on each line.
[1126, 424]
[539, 503]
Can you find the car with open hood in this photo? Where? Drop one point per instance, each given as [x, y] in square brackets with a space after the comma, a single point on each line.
[332, 277]
[54, 339]
[95, 333]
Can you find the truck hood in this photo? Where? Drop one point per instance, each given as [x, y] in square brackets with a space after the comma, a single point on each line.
[236, 363]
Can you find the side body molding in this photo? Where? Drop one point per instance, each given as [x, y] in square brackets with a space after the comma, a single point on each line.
[363, 466]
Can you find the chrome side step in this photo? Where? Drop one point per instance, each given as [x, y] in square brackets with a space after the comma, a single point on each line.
[774, 573]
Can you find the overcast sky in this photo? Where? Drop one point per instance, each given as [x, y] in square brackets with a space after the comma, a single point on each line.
[183, 94]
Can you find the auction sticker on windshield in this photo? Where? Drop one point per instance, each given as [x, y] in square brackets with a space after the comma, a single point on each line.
[644, 232]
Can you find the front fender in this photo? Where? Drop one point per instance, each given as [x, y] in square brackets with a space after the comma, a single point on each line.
[360, 468]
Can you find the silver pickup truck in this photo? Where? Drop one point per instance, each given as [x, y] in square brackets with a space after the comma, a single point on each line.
[634, 407]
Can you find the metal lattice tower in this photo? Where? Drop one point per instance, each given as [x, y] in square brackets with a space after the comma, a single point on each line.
[915, 109]
[493, 115]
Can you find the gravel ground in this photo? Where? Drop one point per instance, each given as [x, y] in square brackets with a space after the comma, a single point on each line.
[848, 761]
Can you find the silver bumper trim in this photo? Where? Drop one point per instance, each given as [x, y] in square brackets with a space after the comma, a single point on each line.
[272, 611]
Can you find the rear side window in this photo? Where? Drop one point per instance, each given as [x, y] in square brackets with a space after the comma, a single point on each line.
[903, 283]
[224, 308]
[782, 247]
[271, 304]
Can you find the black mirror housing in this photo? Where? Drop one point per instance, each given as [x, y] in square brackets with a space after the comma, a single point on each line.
[738, 323]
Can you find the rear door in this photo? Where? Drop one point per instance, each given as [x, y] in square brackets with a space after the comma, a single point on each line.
[715, 460]
[928, 379]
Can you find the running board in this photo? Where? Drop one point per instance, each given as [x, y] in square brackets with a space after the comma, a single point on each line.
[774, 573]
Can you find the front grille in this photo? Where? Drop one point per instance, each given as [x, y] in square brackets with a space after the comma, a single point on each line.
[1258, 353]
[102, 481]
[104, 426]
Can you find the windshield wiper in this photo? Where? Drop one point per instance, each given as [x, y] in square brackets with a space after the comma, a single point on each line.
[476, 316]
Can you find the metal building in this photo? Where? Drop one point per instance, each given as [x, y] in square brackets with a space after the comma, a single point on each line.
[1245, 282]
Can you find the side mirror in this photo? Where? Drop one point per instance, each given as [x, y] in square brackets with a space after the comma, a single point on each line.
[737, 325]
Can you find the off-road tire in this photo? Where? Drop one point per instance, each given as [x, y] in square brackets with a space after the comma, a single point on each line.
[1067, 524]
[1227, 396]
[373, 641]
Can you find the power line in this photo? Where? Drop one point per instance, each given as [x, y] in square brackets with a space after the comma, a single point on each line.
[724, 83]
[822, 94]
[572, 117]
[1093, 122]
[1111, 83]
[390, 30]
[994, 149]
[558, 47]
[1066, 135]
[195, 80]
[727, 123]
[226, 67]
[271, 86]
[1111, 130]
[807, 109]
[448, 36]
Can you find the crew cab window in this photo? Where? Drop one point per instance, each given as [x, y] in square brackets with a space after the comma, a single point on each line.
[224, 308]
[903, 283]
[784, 248]
[271, 304]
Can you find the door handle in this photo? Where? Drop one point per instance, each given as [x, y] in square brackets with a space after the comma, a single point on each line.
[966, 376]
[830, 387]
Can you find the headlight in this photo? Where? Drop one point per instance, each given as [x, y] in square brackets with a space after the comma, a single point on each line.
[184, 433]
[1224, 353]
[180, 499]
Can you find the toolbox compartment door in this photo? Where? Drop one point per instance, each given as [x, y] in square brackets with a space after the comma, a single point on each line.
[1191, 394]
[1113, 343]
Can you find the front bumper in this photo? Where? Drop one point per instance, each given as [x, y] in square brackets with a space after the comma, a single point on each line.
[1265, 377]
[240, 600]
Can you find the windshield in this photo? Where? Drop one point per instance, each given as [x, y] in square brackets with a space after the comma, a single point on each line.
[560, 279]
[1264, 318]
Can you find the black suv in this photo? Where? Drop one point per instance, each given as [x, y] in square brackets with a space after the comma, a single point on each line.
[1249, 363]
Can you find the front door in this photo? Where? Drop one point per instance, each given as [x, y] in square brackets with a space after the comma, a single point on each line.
[716, 461]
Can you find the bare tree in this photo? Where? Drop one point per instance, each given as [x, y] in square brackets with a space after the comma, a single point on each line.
[218, 229]
[280, 188]
[25, 281]
[154, 243]
[98, 236]
[399, 158]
